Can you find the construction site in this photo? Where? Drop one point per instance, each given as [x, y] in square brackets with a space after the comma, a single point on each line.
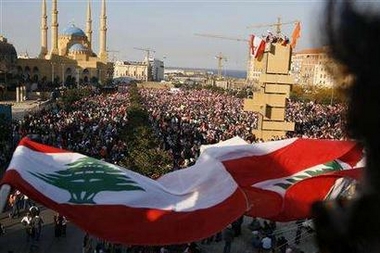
[268, 74]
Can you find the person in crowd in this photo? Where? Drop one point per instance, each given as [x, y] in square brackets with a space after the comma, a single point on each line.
[86, 239]
[192, 248]
[26, 202]
[58, 219]
[255, 224]
[282, 244]
[29, 228]
[228, 237]
[14, 203]
[266, 243]
[34, 210]
[37, 223]
[267, 229]
[64, 226]
[2, 229]
[11, 203]
[236, 226]
[256, 240]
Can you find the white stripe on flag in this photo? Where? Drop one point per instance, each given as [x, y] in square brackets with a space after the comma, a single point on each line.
[201, 186]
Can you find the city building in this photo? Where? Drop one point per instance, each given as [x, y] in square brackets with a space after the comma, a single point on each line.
[8, 59]
[70, 59]
[313, 67]
[139, 70]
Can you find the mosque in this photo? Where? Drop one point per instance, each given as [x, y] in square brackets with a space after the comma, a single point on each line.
[70, 58]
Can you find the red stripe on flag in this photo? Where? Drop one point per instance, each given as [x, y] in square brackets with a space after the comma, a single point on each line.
[286, 161]
[35, 146]
[300, 196]
[141, 226]
[263, 203]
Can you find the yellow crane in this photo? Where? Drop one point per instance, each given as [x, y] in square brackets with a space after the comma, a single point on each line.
[220, 37]
[148, 51]
[228, 38]
[277, 25]
[220, 59]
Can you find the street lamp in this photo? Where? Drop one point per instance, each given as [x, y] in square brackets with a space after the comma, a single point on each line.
[78, 74]
[99, 75]
[63, 74]
[52, 72]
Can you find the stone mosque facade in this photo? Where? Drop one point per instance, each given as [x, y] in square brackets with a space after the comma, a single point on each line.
[70, 58]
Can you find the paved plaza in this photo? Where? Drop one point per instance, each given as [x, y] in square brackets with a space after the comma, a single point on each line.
[22, 108]
[15, 241]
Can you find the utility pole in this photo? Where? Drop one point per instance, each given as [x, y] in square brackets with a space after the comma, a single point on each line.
[147, 50]
[220, 59]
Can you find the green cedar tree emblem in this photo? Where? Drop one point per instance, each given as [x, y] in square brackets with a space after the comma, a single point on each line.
[86, 177]
[330, 167]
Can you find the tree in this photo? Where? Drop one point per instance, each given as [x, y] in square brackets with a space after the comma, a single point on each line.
[86, 177]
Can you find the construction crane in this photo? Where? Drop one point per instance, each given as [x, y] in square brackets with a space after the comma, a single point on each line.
[113, 54]
[220, 59]
[147, 50]
[228, 38]
[220, 37]
[277, 25]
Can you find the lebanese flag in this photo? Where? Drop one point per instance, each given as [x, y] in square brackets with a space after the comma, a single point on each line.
[257, 46]
[276, 180]
[122, 206]
[282, 179]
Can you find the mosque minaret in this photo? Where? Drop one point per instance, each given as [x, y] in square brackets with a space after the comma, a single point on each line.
[44, 28]
[70, 58]
[54, 28]
[103, 33]
[89, 24]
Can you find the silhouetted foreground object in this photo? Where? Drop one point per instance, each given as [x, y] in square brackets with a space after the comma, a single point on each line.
[353, 35]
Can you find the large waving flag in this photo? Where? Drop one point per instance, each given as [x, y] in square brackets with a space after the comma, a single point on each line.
[122, 206]
[276, 180]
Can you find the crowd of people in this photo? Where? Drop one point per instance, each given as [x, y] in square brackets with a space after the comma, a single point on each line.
[314, 120]
[90, 126]
[186, 119]
[182, 120]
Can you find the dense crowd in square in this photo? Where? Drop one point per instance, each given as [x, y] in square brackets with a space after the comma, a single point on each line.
[182, 121]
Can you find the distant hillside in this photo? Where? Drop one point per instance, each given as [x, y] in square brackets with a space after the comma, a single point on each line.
[227, 72]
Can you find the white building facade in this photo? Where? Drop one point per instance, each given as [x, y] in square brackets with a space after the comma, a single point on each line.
[139, 70]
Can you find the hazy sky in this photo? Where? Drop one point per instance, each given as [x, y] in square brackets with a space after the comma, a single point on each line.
[168, 27]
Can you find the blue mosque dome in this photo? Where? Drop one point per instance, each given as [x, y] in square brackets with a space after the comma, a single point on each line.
[72, 30]
[77, 48]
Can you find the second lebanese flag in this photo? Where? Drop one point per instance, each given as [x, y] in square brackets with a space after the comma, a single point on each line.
[282, 179]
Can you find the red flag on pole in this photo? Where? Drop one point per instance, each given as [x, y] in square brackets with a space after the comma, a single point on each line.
[296, 34]
[257, 46]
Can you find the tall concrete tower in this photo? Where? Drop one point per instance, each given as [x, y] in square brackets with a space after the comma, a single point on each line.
[89, 25]
[44, 28]
[54, 28]
[103, 33]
